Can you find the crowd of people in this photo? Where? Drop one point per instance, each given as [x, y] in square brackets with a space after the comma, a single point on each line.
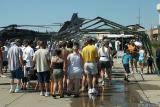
[67, 67]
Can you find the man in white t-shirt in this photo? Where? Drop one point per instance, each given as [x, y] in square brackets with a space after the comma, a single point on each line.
[41, 59]
[28, 53]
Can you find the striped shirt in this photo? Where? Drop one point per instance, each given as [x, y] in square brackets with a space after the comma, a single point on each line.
[14, 54]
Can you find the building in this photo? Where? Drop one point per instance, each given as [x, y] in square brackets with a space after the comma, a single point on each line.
[154, 33]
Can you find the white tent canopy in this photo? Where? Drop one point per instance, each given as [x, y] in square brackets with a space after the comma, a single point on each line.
[138, 43]
[114, 36]
[118, 36]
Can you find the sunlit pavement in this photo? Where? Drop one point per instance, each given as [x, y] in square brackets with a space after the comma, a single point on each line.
[117, 93]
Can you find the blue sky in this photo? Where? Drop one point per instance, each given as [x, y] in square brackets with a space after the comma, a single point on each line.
[124, 12]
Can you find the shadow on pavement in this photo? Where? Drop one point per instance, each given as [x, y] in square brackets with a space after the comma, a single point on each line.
[4, 83]
[118, 94]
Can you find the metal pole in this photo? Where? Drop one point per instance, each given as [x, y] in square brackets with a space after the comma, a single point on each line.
[122, 41]
[159, 19]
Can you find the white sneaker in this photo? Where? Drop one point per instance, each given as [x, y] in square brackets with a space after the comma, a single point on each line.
[99, 80]
[90, 96]
[93, 97]
[11, 91]
[17, 90]
[3, 76]
[94, 91]
[47, 94]
[42, 93]
[102, 83]
[27, 86]
[90, 91]
[105, 75]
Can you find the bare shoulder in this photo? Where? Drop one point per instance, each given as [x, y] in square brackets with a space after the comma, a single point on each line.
[54, 59]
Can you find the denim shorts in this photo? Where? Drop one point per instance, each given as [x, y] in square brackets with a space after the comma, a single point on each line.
[17, 74]
[75, 75]
[141, 60]
[43, 77]
[90, 68]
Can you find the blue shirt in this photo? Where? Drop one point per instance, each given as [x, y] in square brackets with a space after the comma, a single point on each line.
[141, 55]
[126, 58]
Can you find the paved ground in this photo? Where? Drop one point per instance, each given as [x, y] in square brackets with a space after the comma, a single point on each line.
[117, 93]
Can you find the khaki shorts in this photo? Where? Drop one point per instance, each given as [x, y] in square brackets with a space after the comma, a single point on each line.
[57, 74]
[90, 68]
[75, 76]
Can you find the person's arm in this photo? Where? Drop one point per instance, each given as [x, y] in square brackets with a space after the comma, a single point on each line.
[110, 54]
[65, 63]
[82, 54]
[96, 55]
[82, 63]
[51, 64]
[31, 54]
[34, 60]
[48, 59]
[145, 54]
[99, 54]
[21, 58]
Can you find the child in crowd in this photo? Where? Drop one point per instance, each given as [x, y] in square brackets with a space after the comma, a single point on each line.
[150, 64]
[125, 60]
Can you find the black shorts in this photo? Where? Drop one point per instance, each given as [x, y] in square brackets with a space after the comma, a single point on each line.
[105, 64]
[18, 74]
[32, 74]
[5, 63]
[43, 77]
[149, 63]
[24, 80]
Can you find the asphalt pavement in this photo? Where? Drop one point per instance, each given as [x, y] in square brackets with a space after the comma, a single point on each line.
[117, 93]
